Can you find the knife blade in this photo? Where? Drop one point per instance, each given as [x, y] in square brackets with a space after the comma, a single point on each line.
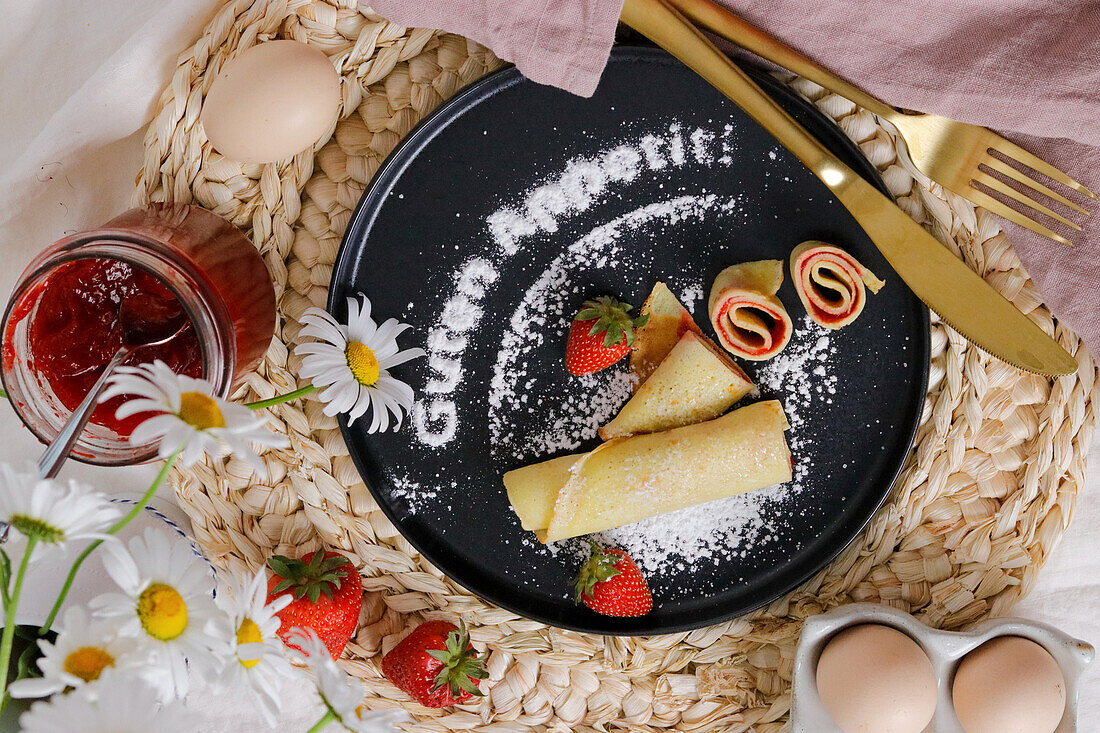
[961, 298]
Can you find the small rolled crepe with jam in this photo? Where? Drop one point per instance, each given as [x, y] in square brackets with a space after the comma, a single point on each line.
[629, 479]
[750, 320]
[831, 283]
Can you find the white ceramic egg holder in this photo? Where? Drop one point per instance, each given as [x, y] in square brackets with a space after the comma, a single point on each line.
[945, 648]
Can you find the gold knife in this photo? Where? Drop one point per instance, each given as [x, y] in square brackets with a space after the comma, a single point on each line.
[955, 292]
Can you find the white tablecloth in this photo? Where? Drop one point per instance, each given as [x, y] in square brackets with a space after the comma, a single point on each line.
[78, 81]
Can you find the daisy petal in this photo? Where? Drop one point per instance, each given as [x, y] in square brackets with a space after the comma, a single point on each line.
[327, 365]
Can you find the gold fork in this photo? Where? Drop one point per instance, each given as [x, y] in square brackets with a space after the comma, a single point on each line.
[953, 154]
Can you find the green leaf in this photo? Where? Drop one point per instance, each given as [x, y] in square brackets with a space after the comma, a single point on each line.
[461, 664]
[25, 665]
[474, 668]
[282, 585]
[280, 565]
[320, 575]
[588, 314]
[599, 567]
[614, 335]
[467, 685]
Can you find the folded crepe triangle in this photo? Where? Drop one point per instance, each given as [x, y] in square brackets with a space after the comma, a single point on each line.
[696, 382]
[668, 321]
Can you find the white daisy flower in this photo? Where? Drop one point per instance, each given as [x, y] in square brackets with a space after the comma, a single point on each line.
[51, 511]
[167, 605]
[352, 362]
[83, 651]
[341, 694]
[255, 660]
[120, 704]
[189, 415]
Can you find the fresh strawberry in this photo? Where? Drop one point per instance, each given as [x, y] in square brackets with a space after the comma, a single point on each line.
[328, 594]
[610, 583]
[436, 665]
[601, 334]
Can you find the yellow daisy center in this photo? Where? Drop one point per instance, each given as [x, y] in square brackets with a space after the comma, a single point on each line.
[88, 662]
[249, 633]
[162, 611]
[362, 362]
[200, 411]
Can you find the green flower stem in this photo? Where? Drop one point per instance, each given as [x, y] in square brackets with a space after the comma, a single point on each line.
[113, 530]
[327, 718]
[9, 620]
[281, 398]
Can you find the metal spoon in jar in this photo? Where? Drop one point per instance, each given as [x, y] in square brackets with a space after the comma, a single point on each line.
[138, 332]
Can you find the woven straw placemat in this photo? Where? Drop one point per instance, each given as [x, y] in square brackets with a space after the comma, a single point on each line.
[986, 494]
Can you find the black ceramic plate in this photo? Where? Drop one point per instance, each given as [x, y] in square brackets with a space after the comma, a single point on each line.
[487, 228]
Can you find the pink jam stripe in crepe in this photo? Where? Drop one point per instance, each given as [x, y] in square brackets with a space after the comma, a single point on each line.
[831, 283]
[750, 321]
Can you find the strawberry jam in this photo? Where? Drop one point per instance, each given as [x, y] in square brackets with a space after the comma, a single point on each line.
[76, 331]
[160, 272]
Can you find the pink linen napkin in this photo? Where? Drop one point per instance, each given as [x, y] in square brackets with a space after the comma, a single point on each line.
[1029, 70]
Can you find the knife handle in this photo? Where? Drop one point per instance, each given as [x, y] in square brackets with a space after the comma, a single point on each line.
[721, 22]
[664, 25]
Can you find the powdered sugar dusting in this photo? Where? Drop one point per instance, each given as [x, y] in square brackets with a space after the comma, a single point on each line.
[574, 408]
[412, 493]
[584, 182]
[692, 295]
[435, 418]
[533, 418]
[683, 540]
[801, 374]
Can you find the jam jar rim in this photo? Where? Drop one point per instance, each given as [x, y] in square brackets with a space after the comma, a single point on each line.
[210, 317]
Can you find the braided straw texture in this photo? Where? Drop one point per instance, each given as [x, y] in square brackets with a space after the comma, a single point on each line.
[986, 494]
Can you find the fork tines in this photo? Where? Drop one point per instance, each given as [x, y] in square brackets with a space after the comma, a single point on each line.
[1018, 185]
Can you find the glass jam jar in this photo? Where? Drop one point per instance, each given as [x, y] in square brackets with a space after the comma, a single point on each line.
[61, 325]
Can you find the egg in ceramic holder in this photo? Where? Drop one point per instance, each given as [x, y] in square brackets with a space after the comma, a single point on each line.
[944, 649]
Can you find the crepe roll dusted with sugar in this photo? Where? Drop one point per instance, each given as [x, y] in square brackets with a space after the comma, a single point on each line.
[750, 320]
[831, 283]
[629, 479]
[533, 489]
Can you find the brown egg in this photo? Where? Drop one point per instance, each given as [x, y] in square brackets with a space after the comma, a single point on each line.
[875, 679]
[1009, 685]
[274, 100]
